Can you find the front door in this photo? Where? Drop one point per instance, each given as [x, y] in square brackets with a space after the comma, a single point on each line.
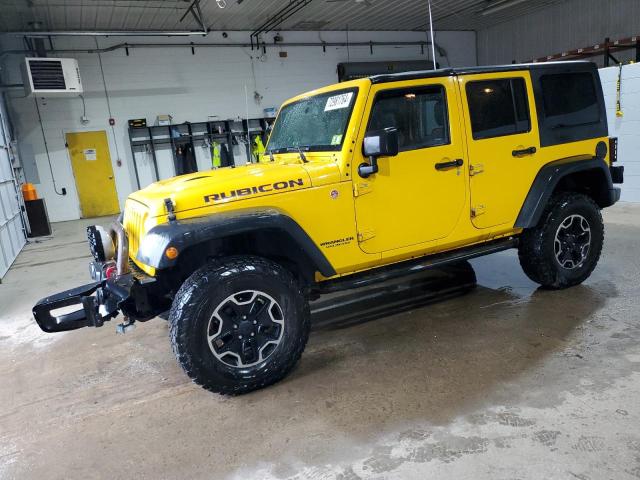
[417, 196]
[91, 162]
[503, 145]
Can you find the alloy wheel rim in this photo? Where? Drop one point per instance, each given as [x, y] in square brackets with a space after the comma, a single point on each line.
[245, 328]
[572, 242]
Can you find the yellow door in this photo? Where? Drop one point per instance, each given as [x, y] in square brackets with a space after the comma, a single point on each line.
[419, 195]
[503, 144]
[91, 162]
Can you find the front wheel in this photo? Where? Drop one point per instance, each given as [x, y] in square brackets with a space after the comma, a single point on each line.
[239, 324]
[564, 248]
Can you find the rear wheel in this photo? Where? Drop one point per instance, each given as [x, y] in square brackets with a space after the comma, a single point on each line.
[564, 248]
[239, 324]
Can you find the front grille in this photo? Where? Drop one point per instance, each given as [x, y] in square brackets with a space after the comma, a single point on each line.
[135, 215]
[138, 274]
[47, 75]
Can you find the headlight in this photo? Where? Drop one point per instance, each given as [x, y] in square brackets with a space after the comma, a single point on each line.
[100, 243]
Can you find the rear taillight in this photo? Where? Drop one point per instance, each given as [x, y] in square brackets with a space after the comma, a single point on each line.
[613, 149]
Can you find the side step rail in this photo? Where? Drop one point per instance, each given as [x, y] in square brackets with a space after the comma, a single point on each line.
[356, 306]
[402, 269]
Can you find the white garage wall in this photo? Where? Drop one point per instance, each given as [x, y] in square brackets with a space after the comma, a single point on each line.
[189, 87]
[627, 127]
[564, 25]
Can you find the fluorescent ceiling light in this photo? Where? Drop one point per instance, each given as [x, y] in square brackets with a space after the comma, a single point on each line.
[500, 5]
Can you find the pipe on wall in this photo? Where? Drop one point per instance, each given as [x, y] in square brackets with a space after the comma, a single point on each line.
[110, 33]
[120, 46]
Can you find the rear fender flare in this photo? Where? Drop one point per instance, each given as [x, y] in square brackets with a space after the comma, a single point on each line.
[550, 176]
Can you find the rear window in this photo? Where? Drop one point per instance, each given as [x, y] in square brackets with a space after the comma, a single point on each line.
[569, 99]
[498, 107]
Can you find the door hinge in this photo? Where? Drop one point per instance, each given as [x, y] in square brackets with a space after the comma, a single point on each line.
[360, 189]
[477, 210]
[475, 169]
[366, 235]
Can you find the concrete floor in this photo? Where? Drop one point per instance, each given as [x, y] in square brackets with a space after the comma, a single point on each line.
[505, 382]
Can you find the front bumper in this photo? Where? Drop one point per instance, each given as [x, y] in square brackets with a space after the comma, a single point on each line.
[98, 301]
[128, 291]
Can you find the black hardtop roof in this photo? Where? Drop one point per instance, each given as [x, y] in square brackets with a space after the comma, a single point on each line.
[578, 65]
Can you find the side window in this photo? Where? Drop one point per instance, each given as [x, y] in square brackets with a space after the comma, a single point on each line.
[569, 99]
[498, 107]
[419, 114]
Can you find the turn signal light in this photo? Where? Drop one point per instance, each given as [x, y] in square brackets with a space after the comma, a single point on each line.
[171, 253]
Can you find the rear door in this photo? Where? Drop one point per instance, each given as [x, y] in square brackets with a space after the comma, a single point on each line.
[503, 144]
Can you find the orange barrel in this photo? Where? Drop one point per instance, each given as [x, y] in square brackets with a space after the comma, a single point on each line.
[29, 192]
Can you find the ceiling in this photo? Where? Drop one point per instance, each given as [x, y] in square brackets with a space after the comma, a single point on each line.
[71, 15]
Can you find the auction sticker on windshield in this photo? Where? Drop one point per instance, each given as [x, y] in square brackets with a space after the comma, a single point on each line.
[338, 101]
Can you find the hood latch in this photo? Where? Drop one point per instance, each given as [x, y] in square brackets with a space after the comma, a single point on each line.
[168, 204]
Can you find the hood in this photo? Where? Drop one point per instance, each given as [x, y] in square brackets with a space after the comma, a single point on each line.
[203, 189]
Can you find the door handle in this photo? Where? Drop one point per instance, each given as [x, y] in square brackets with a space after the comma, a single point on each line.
[453, 163]
[524, 151]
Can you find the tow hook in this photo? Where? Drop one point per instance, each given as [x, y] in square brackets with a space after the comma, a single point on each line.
[127, 326]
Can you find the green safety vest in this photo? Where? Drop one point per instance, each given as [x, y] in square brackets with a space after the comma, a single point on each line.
[216, 161]
[257, 149]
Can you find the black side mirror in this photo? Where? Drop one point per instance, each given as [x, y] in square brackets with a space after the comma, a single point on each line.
[379, 143]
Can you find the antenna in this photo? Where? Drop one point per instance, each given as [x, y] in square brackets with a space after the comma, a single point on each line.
[246, 106]
[433, 42]
[348, 56]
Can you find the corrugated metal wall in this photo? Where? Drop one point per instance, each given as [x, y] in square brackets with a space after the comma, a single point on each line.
[562, 26]
[12, 237]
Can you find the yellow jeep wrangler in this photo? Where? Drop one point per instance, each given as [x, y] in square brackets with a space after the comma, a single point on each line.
[361, 181]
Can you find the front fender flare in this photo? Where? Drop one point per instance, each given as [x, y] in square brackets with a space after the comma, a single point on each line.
[183, 234]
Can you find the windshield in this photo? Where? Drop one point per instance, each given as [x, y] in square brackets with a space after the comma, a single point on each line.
[315, 123]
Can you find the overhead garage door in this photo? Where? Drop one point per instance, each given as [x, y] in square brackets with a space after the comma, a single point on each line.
[12, 237]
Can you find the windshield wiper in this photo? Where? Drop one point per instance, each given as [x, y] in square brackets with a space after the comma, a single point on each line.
[296, 149]
[302, 155]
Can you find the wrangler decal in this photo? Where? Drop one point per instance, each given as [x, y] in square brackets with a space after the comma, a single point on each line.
[337, 242]
[242, 192]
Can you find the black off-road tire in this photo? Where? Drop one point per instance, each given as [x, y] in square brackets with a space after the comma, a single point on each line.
[536, 250]
[206, 290]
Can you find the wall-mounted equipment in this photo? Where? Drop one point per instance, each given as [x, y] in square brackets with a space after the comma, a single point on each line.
[163, 120]
[137, 122]
[183, 138]
[51, 77]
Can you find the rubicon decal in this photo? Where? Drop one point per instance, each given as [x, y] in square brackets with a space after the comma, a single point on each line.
[243, 192]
